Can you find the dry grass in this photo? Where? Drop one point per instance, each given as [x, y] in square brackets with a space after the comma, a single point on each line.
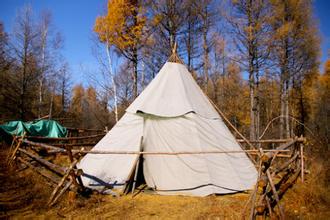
[311, 199]
[24, 195]
[146, 206]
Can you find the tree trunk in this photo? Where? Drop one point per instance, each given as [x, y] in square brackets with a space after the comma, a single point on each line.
[51, 102]
[287, 121]
[41, 77]
[282, 106]
[256, 101]
[23, 81]
[135, 57]
[251, 59]
[205, 49]
[63, 96]
[114, 86]
[189, 46]
[252, 104]
[135, 73]
[40, 97]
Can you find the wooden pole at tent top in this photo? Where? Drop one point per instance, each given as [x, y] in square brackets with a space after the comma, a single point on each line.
[174, 48]
[174, 58]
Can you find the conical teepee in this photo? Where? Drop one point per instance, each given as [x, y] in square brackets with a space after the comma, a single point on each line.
[171, 115]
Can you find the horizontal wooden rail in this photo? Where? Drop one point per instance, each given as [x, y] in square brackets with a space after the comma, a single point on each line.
[74, 144]
[54, 179]
[84, 129]
[170, 153]
[266, 141]
[47, 146]
[65, 138]
[287, 145]
[55, 168]
[300, 139]
[61, 150]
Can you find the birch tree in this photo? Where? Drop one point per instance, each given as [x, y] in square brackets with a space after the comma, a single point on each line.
[122, 27]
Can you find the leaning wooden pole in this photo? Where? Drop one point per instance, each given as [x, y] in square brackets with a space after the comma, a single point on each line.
[75, 178]
[302, 162]
[60, 184]
[271, 183]
[64, 189]
[13, 154]
[230, 124]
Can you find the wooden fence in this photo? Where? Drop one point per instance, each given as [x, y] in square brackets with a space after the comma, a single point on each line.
[279, 163]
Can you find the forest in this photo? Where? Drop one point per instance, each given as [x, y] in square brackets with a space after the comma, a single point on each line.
[257, 60]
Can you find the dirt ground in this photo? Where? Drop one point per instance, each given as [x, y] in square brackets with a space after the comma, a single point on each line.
[24, 194]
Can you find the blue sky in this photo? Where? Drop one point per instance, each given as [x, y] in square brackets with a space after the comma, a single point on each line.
[322, 12]
[75, 20]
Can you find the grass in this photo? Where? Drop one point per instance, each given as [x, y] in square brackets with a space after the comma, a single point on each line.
[24, 195]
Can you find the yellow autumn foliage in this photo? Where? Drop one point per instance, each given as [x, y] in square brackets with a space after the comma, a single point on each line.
[122, 26]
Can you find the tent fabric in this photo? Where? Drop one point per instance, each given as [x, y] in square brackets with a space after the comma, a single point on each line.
[45, 128]
[113, 170]
[171, 115]
[185, 174]
[173, 92]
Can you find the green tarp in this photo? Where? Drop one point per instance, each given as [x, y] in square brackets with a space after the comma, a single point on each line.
[45, 128]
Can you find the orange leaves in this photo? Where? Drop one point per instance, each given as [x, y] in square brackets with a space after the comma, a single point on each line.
[122, 26]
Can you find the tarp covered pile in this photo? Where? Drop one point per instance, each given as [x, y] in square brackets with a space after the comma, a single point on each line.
[45, 128]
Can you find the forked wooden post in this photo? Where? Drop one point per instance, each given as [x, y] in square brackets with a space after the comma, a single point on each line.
[271, 183]
[13, 155]
[64, 178]
[65, 188]
[12, 146]
[75, 178]
[254, 195]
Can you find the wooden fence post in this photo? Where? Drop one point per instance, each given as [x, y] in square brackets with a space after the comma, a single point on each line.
[75, 177]
[302, 161]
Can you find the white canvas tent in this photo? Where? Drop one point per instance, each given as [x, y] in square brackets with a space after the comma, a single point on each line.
[171, 115]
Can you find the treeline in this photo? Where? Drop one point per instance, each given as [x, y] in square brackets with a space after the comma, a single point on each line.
[258, 60]
[35, 78]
